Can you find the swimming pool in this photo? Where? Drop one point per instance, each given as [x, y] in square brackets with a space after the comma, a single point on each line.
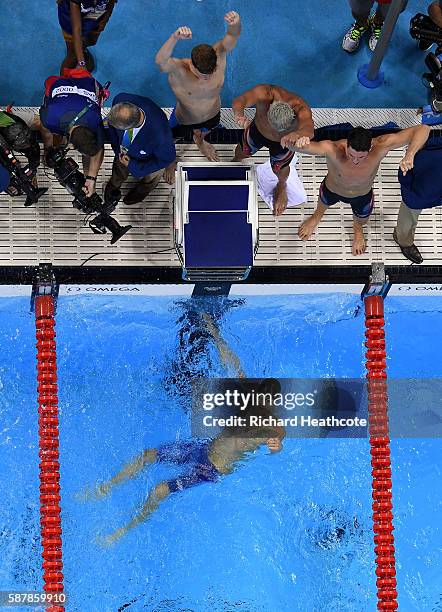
[287, 532]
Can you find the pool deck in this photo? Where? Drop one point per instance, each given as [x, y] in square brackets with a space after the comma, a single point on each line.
[52, 231]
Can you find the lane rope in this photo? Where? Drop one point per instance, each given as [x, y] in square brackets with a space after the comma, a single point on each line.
[47, 389]
[380, 454]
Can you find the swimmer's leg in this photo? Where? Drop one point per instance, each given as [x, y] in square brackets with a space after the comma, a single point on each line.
[308, 227]
[358, 246]
[205, 147]
[240, 154]
[227, 355]
[159, 493]
[280, 198]
[130, 470]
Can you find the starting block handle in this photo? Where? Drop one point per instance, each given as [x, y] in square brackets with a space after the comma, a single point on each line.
[44, 283]
[378, 283]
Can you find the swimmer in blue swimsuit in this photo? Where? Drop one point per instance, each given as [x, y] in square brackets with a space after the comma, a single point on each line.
[352, 167]
[205, 460]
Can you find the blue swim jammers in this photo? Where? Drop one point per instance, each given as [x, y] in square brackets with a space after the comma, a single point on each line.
[362, 206]
[195, 454]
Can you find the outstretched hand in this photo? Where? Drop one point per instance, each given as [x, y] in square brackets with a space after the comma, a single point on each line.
[302, 142]
[183, 33]
[289, 140]
[406, 163]
[232, 18]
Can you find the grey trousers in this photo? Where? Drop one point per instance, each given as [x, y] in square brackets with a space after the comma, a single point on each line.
[120, 174]
[406, 224]
[361, 9]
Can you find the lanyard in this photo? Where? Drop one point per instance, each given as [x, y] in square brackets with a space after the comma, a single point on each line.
[78, 116]
[128, 137]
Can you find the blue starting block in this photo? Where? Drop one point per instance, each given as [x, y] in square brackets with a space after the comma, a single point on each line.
[216, 220]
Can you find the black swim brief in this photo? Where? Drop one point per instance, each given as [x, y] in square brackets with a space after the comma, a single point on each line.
[362, 206]
[253, 141]
[185, 131]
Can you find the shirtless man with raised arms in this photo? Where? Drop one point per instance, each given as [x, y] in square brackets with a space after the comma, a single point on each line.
[352, 167]
[281, 118]
[197, 82]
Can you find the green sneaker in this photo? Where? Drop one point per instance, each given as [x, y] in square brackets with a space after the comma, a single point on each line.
[353, 37]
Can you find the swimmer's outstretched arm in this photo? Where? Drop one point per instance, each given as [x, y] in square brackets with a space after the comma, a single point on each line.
[127, 473]
[159, 493]
[228, 43]
[311, 147]
[415, 137]
[260, 93]
[163, 58]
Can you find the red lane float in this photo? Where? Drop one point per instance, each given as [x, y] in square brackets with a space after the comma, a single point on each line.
[50, 511]
[380, 454]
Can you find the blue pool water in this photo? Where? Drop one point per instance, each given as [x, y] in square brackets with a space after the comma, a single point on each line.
[289, 532]
[298, 34]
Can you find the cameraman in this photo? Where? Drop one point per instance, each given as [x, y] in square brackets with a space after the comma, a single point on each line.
[82, 22]
[21, 138]
[71, 108]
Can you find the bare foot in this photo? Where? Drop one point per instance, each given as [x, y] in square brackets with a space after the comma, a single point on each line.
[90, 494]
[280, 200]
[308, 227]
[109, 540]
[169, 173]
[358, 247]
[207, 150]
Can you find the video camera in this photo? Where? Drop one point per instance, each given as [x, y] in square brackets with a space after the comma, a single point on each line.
[69, 176]
[21, 176]
[434, 80]
[423, 29]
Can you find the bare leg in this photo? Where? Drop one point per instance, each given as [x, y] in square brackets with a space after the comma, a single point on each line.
[227, 355]
[358, 246]
[156, 496]
[361, 20]
[206, 148]
[239, 154]
[280, 192]
[127, 473]
[308, 227]
[70, 61]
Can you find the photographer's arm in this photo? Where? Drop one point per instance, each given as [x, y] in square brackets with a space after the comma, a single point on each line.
[46, 136]
[94, 168]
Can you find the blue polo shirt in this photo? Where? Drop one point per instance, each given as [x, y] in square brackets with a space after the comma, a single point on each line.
[421, 187]
[91, 12]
